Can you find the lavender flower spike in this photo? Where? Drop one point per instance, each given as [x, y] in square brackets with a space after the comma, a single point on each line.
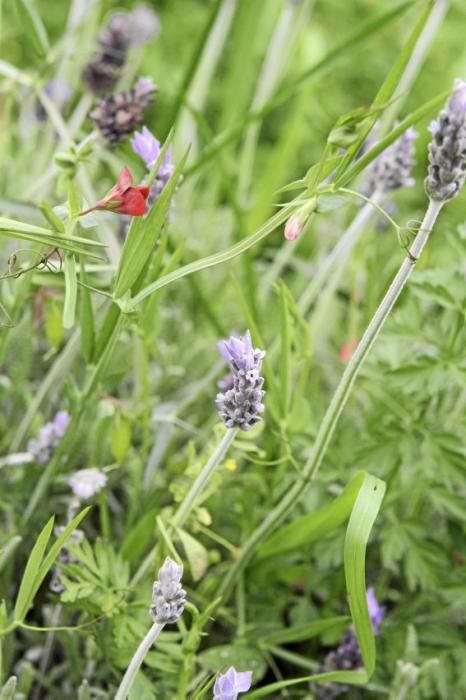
[447, 150]
[44, 445]
[239, 407]
[392, 169]
[228, 685]
[168, 597]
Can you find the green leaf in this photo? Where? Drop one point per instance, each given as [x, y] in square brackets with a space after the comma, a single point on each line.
[86, 318]
[363, 515]
[196, 554]
[38, 566]
[308, 528]
[301, 633]
[364, 499]
[25, 593]
[143, 235]
[28, 232]
[362, 163]
[71, 292]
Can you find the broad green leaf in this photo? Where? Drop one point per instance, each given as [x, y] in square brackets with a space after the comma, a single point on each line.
[308, 528]
[25, 593]
[365, 507]
[143, 235]
[301, 633]
[363, 515]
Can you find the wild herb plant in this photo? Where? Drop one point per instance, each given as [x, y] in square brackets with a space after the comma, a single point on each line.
[183, 178]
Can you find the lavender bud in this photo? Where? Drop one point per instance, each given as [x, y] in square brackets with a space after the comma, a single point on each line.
[392, 169]
[86, 483]
[240, 405]
[447, 150]
[44, 445]
[228, 685]
[168, 597]
[118, 115]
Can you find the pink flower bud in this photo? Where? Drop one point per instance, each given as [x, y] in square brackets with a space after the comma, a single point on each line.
[293, 228]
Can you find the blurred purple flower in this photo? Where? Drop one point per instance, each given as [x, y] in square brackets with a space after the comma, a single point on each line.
[228, 685]
[148, 148]
[44, 445]
[86, 483]
[376, 611]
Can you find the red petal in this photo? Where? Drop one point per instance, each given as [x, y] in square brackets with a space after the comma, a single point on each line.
[134, 203]
[125, 180]
[143, 190]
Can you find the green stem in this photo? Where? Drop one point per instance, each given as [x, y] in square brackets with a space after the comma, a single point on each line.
[136, 661]
[197, 487]
[190, 499]
[336, 406]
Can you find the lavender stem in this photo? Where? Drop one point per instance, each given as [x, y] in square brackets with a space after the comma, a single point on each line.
[337, 404]
[136, 661]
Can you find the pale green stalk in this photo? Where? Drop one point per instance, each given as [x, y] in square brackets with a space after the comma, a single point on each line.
[281, 46]
[186, 132]
[337, 404]
[136, 661]
[202, 479]
[186, 506]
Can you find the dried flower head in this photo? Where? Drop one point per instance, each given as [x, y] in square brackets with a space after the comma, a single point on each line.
[230, 684]
[44, 445]
[240, 406]
[104, 69]
[118, 115]
[168, 597]
[86, 483]
[447, 150]
[392, 169]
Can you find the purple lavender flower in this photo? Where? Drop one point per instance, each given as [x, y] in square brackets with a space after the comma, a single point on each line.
[447, 150]
[86, 483]
[44, 445]
[148, 148]
[392, 169]
[230, 684]
[168, 597]
[376, 611]
[347, 655]
[240, 405]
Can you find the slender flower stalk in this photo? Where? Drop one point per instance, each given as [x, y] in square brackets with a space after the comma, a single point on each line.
[136, 661]
[337, 404]
[203, 478]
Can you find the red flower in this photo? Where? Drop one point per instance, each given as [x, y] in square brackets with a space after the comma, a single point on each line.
[347, 349]
[123, 198]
